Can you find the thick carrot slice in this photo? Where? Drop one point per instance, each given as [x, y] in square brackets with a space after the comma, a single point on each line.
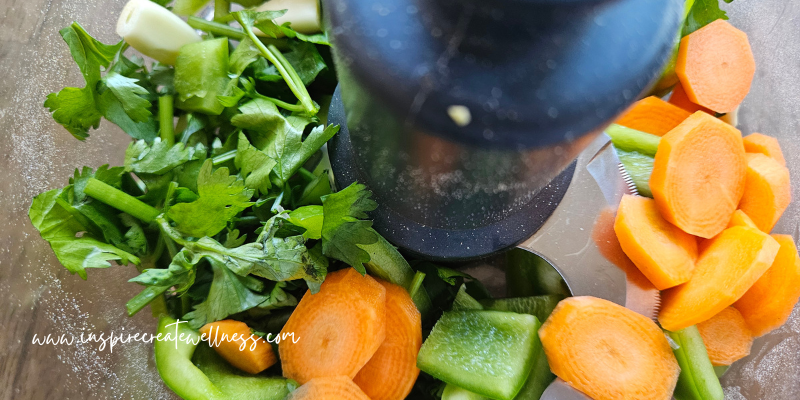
[766, 145]
[680, 99]
[390, 373]
[328, 388]
[653, 115]
[716, 66]
[608, 352]
[664, 253]
[337, 330]
[699, 174]
[770, 301]
[235, 343]
[723, 273]
[739, 218]
[726, 336]
[767, 192]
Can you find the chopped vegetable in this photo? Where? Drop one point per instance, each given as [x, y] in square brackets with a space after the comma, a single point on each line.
[723, 273]
[767, 191]
[539, 306]
[739, 218]
[653, 115]
[698, 380]
[766, 145]
[329, 388]
[489, 353]
[201, 74]
[628, 139]
[716, 66]
[664, 253]
[392, 371]
[699, 175]
[234, 341]
[154, 31]
[336, 330]
[453, 392]
[607, 351]
[639, 168]
[302, 15]
[770, 301]
[235, 384]
[681, 99]
[726, 336]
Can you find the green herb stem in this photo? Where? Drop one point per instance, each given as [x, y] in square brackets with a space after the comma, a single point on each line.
[416, 283]
[222, 8]
[216, 28]
[141, 300]
[166, 119]
[281, 103]
[120, 200]
[306, 174]
[632, 140]
[224, 157]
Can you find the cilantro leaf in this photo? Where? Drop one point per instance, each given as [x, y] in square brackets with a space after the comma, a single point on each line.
[262, 118]
[306, 60]
[703, 12]
[75, 110]
[180, 273]
[343, 226]
[290, 151]
[128, 93]
[90, 54]
[254, 165]
[159, 157]
[221, 197]
[244, 55]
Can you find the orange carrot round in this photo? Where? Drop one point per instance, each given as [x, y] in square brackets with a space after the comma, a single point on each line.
[699, 175]
[767, 191]
[233, 341]
[770, 301]
[329, 388]
[716, 66]
[653, 115]
[608, 352]
[739, 218]
[390, 373]
[336, 331]
[766, 145]
[726, 336]
[680, 99]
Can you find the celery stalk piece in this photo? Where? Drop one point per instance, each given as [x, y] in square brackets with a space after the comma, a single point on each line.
[639, 167]
[154, 31]
[628, 139]
[303, 15]
[698, 380]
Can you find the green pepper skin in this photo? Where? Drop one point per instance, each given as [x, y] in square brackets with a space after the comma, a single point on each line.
[201, 74]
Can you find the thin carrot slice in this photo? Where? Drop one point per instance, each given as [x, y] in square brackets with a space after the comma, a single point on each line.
[726, 336]
[664, 253]
[770, 301]
[699, 175]
[329, 388]
[234, 341]
[390, 373]
[608, 352]
[739, 218]
[767, 191]
[336, 331]
[716, 66]
[653, 115]
[723, 273]
[766, 145]
[680, 99]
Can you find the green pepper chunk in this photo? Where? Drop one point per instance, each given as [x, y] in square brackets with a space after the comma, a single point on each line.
[201, 74]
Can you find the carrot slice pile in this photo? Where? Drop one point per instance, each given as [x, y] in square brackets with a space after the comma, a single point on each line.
[766, 145]
[390, 373]
[699, 175]
[680, 99]
[770, 301]
[726, 336]
[329, 388]
[252, 358]
[716, 66]
[664, 253]
[739, 218]
[608, 352]
[337, 330]
[767, 191]
[732, 263]
[653, 115]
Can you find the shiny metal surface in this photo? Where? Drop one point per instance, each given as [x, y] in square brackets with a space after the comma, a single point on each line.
[39, 297]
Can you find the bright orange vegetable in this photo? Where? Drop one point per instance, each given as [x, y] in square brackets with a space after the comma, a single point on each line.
[723, 273]
[337, 330]
[739, 218]
[664, 253]
[716, 66]
[680, 99]
[390, 373]
[767, 192]
[653, 115]
[726, 336]
[699, 175]
[608, 352]
[330, 388]
[252, 358]
[766, 145]
[770, 301]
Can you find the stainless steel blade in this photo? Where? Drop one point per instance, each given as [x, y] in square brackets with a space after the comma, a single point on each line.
[560, 390]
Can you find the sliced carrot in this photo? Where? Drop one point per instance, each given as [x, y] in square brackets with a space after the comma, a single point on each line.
[608, 352]
[653, 115]
[390, 373]
[766, 145]
[739, 218]
[336, 331]
[234, 341]
[680, 99]
[699, 175]
[723, 273]
[770, 301]
[329, 388]
[664, 253]
[716, 66]
[726, 336]
[767, 192]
